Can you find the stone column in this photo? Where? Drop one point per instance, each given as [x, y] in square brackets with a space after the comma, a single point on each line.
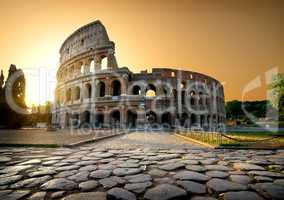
[159, 91]
[81, 86]
[141, 118]
[86, 66]
[77, 69]
[159, 118]
[143, 90]
[210, 122]
[92, 117]
[63, 121]
[111, 61]
[72, 95]
[123, 115]
[107, 117]
[97, 60]
[108, 87]
[198, 120]
[93, 83]
[173, 118]
[124, 83]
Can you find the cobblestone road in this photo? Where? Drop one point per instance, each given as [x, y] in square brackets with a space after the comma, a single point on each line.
[139, 167]
[148, 140]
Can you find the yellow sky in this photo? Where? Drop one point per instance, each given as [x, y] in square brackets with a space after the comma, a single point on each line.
[233, 41]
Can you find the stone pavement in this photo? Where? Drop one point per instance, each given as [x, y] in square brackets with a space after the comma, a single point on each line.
[43, 137]
[147, 140]
[122, 168]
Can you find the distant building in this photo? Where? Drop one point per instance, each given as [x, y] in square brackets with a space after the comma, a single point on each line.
[92, 90]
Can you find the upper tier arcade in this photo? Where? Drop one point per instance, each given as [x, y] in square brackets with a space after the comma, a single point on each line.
[91, 89]
[92, 37]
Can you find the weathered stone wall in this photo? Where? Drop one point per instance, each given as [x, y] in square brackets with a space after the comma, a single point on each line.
[88, 94]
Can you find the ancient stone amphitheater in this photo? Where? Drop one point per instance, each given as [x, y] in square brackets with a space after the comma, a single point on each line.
[93, 91]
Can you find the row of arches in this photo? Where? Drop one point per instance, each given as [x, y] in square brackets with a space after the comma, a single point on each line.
[115, 88]
[194, 98]
[149, 90]
[83, 67]
[115, 119]
[100, 119]
[185, 120]
[187, 97]
[152, 119]
[75, 93]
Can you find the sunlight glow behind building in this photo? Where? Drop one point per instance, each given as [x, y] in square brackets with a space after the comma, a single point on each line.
[234, 41]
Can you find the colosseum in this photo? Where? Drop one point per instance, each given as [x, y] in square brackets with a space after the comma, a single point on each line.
[92, 90]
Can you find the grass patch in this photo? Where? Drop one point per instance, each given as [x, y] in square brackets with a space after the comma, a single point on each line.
[255, 134]
[254, 139]
[234, 144]
[240, 139]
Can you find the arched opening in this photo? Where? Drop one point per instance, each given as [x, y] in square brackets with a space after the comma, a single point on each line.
[214, 119]
[192, 98]
[184, 120]
[175, 94]
[92, 66]
[151, 118]
[77, 93]
[82, 68]
[115, 118]
[131, 119]
[88, 90]
[136, 90]
[200, 98]
[116, 88]
[68, 95]
[165, 90]
[182, 85]
[202, 120]
[183, 97]
[150, 91]
[193, 119]
[75, 120]
[67, 119]
[86, 117]
[104, 63]
[208, 120]
[166, 119]
[207, 101]
[99, 120]
[100, 88]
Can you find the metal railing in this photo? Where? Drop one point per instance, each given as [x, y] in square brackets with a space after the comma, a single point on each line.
[212, 138]
[219, 139]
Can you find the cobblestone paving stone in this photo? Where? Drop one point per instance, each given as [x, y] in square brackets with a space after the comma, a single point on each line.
[130, 167]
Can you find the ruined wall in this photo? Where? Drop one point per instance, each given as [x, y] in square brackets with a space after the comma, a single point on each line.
[90, 91]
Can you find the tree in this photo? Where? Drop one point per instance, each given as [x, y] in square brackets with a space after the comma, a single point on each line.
[277, 97]
[234, 109]
[48, 106]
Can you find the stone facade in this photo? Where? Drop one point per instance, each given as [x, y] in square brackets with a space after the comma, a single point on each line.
[93, 90]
